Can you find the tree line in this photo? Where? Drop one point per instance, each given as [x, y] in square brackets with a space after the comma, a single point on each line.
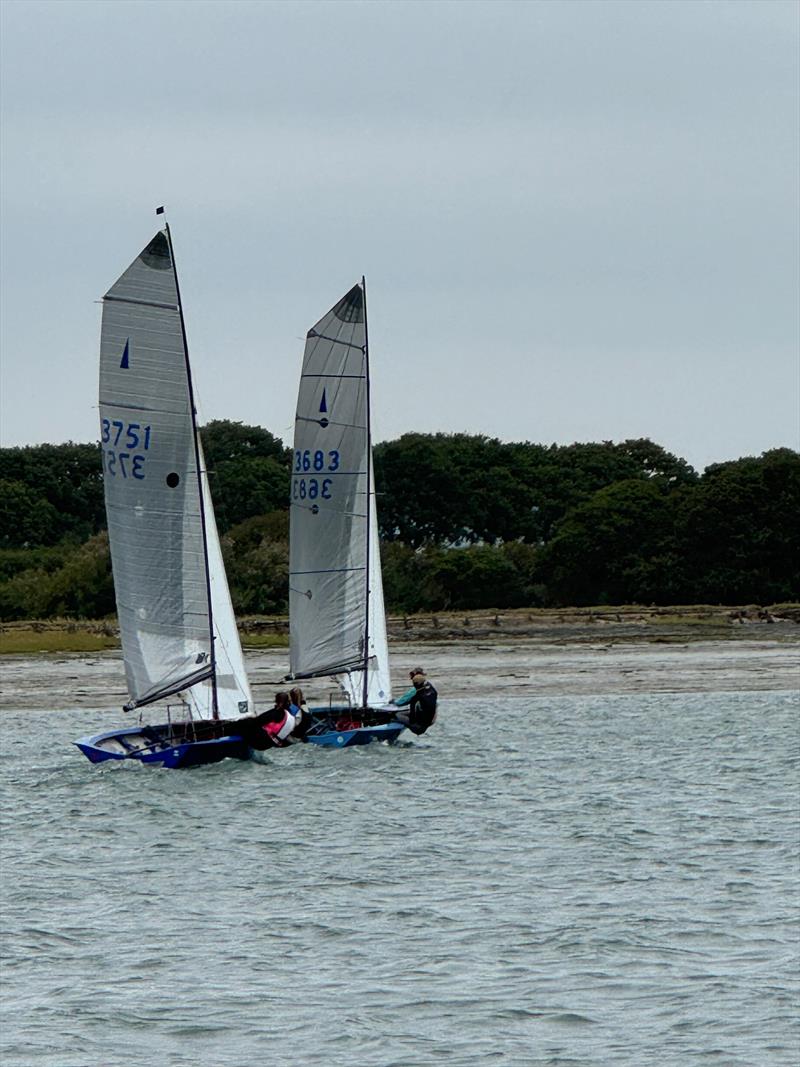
[466, 522]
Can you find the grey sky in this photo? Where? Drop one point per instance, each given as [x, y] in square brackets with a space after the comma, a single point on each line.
[578, 221]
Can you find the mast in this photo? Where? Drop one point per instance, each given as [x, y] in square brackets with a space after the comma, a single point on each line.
[365, 689]
[214, 704]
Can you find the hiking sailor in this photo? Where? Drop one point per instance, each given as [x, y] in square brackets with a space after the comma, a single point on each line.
[421, 701]
[302, 715]
[271, 728]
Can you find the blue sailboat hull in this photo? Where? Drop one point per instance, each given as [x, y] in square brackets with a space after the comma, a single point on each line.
[179, 745]
[345, 727]
[157, 746]
[362, 736]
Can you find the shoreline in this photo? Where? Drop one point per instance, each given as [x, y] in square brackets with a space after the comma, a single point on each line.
[480, 672]
[539, 626]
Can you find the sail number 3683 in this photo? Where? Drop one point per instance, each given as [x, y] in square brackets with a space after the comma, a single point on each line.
[315, 461]
[311, 488]
[319, 462]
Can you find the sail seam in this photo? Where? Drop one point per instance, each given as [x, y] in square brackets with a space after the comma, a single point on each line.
[336, 376]
[330, 474]
[336, 570]
[132, 407]
[334, 423]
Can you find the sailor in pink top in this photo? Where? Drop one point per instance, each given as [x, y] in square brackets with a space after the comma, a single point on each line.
[280, 730]
[279, 722]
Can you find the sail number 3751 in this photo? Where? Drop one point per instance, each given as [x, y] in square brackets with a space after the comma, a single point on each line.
[120, 459]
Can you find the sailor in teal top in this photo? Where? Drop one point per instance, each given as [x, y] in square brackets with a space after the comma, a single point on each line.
[422, 698]
[406, 698]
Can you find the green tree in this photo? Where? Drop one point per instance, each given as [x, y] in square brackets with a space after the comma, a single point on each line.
[224, 440]
[563, 476]
[81, 587]
[15, 560]
[243, 488]
[739, 532]
[456, 579]
[26, 518]
[248, 471]
[450, 489]
[84, 588]
[614, 548]
[67, 477]
[454, 489]
[652, 461]
[256, 555]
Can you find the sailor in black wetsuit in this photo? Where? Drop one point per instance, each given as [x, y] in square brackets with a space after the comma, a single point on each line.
[421, 701]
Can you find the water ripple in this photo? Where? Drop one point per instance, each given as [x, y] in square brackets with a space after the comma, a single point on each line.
[603, 881]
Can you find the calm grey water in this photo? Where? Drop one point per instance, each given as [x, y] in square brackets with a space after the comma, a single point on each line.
[561, 880]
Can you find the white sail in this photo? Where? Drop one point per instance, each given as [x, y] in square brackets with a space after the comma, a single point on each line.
[234, 697]
[335, 586]
[154, 488]
[378, 680]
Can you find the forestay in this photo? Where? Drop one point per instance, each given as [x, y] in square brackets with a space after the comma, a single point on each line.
[154, 496]
[335, 586]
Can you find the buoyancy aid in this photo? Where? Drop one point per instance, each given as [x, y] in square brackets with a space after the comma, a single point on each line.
[423, 708]
[280, 729]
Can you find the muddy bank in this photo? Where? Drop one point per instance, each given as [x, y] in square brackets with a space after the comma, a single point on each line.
[483, 670]
[535, 668]
[589, 625]
[628, 624]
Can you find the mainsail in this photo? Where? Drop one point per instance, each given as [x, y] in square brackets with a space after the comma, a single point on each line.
[336, 611]
[175, 617]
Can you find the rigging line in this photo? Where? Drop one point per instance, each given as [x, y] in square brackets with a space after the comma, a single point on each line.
[312, 335]
[142, 303]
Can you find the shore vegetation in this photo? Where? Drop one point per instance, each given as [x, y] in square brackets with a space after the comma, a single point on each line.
[599, 623]
[468, 523]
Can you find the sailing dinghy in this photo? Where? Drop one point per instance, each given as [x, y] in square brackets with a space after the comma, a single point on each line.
[337, 622]
[178, 630]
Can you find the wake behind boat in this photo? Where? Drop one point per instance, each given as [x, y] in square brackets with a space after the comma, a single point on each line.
[337, 620]
[177, 627]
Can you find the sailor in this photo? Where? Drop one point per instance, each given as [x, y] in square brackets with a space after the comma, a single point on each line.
[421, 700]
[302, 715]
[273, 727]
